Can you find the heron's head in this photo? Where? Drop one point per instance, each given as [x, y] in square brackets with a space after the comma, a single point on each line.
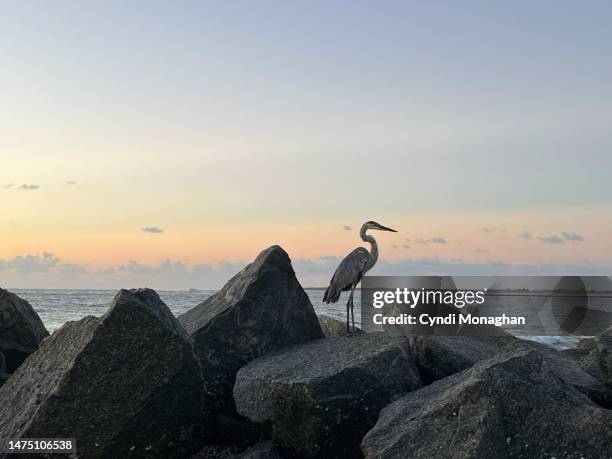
[377, 226]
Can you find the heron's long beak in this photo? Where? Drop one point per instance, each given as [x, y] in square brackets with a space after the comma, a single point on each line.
[384, 228]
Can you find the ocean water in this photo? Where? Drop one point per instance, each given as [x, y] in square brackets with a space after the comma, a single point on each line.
[56, 307]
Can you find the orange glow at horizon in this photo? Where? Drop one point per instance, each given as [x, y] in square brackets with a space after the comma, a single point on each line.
[241, 241]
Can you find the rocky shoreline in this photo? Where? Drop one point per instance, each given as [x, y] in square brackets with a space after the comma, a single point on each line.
[252, 372]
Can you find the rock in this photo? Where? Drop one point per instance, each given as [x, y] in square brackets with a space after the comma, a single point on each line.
[234, 430]
[215, 452]
[127, 384]
[320, 398]
[264, 450]
[594, 355]
[262, 308]
[568, 371]
[508, 406]
[440, 356]
[334, 327]
[3, 374]
[21, 330]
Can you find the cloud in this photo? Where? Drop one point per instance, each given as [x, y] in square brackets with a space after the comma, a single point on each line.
[70, 183]
[433, 240]
[489, 230]
[25, 186]
[33, 263]
[552, 239]
[10, 185]
[565, 237]
[481, 250]
[152, 229]
[572, 237]
[71, 268]
[347, 228]
[166, 267]
[47, 271]
[526, 235]
[406, 246]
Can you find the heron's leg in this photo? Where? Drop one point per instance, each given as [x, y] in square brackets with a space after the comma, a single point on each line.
[353, 314]
[348, 302]
[352, 305]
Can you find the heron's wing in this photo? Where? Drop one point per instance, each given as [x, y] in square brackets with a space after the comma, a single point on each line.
[348, 272]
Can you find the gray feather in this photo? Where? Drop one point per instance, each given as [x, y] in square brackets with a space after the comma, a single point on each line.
[348, 273]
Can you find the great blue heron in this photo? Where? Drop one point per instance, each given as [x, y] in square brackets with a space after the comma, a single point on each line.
[352, 268]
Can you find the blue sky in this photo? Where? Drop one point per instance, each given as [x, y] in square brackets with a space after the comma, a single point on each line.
[235, 125]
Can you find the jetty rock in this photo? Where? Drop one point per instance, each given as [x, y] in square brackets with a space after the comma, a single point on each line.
[511, 405]
[3, 374]
[567, 370]
[594, 355]
[440, 356]
[318, 399]
[334, 327]
[127, 384]
[262, 308]
[21, 330]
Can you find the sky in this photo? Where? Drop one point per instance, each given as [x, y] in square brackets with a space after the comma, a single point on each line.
[167, 143]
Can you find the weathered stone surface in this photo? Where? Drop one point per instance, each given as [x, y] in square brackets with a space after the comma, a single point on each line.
[264, 450]
[21, 330]
[440, 356]
[568, 371]
[3, 374]
[262, 308]
[320, 398]
[511, 405]
[215, 452]
[594, 355]
[334, 327]
[127, 384]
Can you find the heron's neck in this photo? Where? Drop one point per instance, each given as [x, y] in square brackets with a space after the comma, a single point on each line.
[373, 248]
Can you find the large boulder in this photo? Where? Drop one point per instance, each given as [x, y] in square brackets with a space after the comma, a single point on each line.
[511, 405]
[595, 356]
[440, 356]
[334, 327]
[127, 384]
[568, 371]
[21, 330]
[320, 398]
[263, 450]
[260, 309]
[3, 374]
